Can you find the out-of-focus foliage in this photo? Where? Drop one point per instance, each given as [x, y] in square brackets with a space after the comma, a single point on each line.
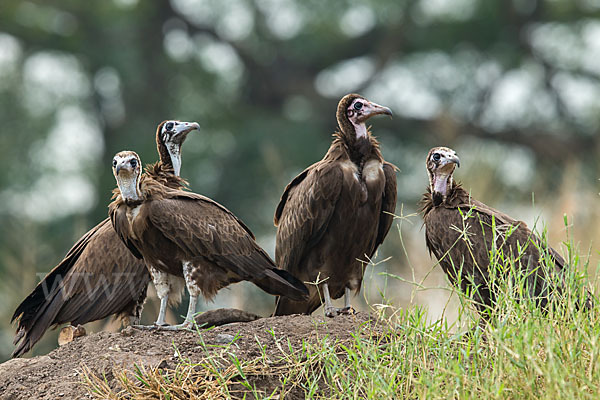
[512, 85]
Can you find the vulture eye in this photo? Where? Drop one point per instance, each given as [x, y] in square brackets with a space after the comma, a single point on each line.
[358, 105]
[436, 157]
[114, 162]
[133, 163]
[169, 126]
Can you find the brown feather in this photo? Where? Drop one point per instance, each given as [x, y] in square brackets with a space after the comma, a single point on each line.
[468, 259]
[335, 213]
[175, 226]
[97, 278]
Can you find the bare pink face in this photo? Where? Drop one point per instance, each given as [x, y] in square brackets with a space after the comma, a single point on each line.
[362, 109]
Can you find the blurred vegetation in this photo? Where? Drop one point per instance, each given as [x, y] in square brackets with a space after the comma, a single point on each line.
[513, 86]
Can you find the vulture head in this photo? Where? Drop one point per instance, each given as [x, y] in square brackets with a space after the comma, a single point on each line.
[127, 169]
[441, 162]
[352, 113]
[170, 135]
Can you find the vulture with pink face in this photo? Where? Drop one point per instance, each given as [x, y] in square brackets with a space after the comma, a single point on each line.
[334, 215]
[463, 234]
[99, 276]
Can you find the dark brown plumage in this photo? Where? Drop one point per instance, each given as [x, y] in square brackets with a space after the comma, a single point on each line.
[99, 276]
[460, 232]
[336, 212]
[191, 236]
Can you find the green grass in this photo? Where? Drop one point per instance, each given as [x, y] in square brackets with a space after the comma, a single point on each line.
[520, 352]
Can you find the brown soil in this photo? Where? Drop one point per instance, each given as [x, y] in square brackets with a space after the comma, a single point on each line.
[59, 374]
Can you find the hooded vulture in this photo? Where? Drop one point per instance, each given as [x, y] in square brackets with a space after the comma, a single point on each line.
[332, 217]
[463, 233]
[99, 276]
[191, 236]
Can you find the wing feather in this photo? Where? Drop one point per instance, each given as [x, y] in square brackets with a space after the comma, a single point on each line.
[69, 291]
[388, 204]
[202, 227]
[304, 212]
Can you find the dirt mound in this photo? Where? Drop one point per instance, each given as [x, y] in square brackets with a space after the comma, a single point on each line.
[59, 374]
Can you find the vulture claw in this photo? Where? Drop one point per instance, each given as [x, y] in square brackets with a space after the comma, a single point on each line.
[347, 311]
[332, 312]
[145, 327]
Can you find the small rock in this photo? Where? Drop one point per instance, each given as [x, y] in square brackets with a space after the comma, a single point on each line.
[129, 331]
[224, 338]
[70, 333]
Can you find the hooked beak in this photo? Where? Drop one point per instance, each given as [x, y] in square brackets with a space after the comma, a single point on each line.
[123, 165]
[372, 109]
[183, 128]
[453, 160]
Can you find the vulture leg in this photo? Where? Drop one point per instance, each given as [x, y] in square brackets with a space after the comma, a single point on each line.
[330, 310]
[189, 318]
[161, 283]
[163, 287]
[160, 321]
[194, 291]
[188, 323]
[348, 309]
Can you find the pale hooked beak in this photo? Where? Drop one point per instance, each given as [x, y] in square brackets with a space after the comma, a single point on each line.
[123, 164]
[185, 128]
[371, 109]
[453, 159]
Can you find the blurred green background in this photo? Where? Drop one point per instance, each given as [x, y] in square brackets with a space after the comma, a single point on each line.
[512, 85]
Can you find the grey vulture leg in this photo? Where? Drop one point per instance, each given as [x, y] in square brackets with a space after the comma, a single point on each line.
[348, 309]
[191, 314]
[161, 283]
[330, 310]
[194, 291]
[160, 321]
[163, 287]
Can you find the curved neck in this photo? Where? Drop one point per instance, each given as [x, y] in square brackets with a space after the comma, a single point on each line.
[175, 157]
[170, 157]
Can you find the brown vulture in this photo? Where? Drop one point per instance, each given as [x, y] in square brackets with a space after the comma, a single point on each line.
[462, 233]
[99, 276]
[332, 217]
[191, 236]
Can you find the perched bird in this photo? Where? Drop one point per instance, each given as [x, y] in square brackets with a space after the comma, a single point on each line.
[190, 236]
[462, 233]
[99, 276]
[332, 217]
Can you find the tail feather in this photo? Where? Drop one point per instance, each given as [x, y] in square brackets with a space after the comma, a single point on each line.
[286, 306]
[29, 332]
[282, 283]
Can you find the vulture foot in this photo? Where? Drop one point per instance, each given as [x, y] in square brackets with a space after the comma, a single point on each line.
[166, 327]
[185, 326]
[332, 312]
[347, 311]
[145, 327]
